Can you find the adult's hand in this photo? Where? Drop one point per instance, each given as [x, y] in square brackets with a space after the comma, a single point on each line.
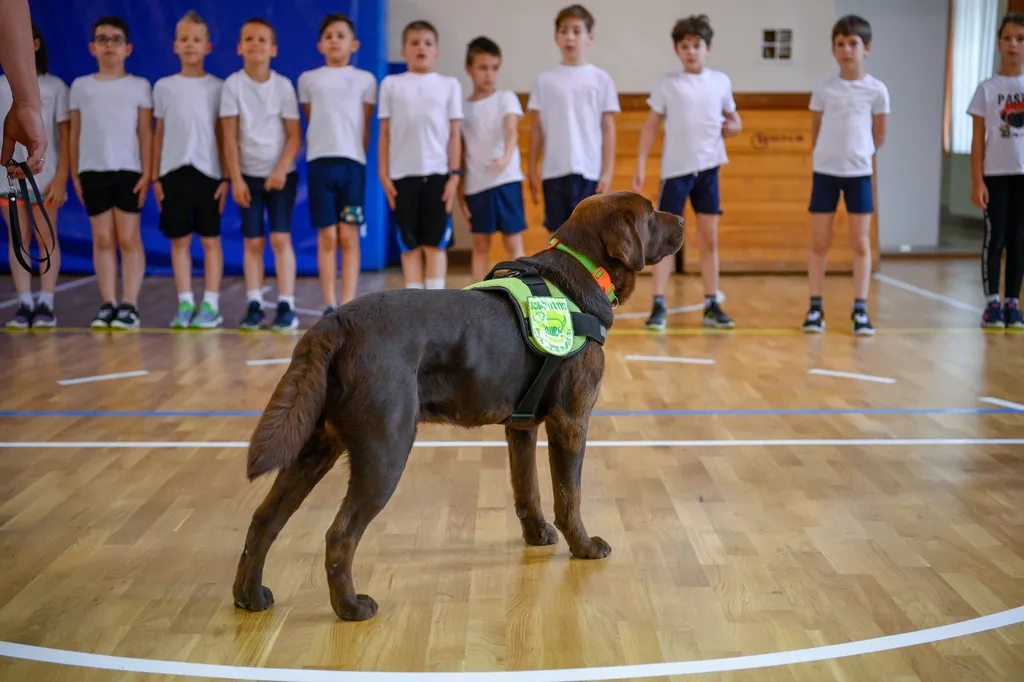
[24, 122]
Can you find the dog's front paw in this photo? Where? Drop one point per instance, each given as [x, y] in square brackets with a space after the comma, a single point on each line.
[363, 607]
[262, 600]
[539, 533]
[597, 548]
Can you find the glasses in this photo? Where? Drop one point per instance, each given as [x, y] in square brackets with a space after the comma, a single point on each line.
[109, 40]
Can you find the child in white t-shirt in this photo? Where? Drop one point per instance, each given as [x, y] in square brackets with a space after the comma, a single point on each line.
[52, 181]
[573, 124]
[493, 186]
[111, 147]
[849, 114]
[338, 99]
[997, 165]
[420, 156]
[189, 187]
[697, 108]
[259, 112]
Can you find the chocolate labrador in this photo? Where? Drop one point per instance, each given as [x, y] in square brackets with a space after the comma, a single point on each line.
[363, 378]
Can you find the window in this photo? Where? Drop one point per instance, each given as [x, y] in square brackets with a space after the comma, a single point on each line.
[777, 44]
[972, 60]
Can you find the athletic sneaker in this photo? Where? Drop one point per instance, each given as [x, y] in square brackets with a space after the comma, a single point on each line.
[127, 317]
[253, 316]
[814, 323]
[183, 318]
[861, 324]
[286, 319]
[104, 317]
[1011, 316]
[43, 316]
[22, 318]
[715, 317]
[993, 316]
[657, 319]
[207, 317]
[329, 309]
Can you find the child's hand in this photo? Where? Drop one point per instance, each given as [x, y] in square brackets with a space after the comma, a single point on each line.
[275, 180]
[465, 209]
[496, 166]
[535, 189]
[731, 128]
[221, 195]
[158, 192]
[604, 184]
[240, 193]
[451, 191]
[638, 181]
[141, 188]
[389, 191]
[77, 184]
[56, 193]
[979, 195]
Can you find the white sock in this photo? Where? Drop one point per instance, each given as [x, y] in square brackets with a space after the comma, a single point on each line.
[187, 297]
[45, 297]
[290, 300]
[26, 299]
[254, 295]
[437, 283]
[213, 298]
[414, 285]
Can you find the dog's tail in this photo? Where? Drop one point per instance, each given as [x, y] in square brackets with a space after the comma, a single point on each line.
[294, 408]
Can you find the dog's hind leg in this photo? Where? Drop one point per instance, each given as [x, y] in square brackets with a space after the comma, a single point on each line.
[567, 440]
[292, 485]
[522, 451]
[377, 459]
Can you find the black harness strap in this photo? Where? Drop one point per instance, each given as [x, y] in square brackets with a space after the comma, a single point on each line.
[583, 324]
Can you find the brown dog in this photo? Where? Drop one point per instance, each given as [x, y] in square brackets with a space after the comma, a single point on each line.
[363, 378]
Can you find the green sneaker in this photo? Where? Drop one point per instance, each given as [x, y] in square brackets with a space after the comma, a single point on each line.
[183, 317]
[207, 317]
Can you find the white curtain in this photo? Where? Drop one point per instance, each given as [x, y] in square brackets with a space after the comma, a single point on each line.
[974, 59]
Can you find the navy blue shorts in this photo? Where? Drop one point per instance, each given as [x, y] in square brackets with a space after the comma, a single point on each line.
[337, 189]
[701, 188]
[278, 204]
[857, 193]
[561, 195]
[497, 208]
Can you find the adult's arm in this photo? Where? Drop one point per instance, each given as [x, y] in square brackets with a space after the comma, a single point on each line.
[24, 122]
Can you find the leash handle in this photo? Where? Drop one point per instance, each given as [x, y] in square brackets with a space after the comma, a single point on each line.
[16, 237]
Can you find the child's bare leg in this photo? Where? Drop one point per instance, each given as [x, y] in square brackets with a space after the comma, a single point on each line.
[481, 255]
[821, 241]
[327, 262]
[104, 255]
[213, 271]
[181, 264]
[437, 267]
[348, 238]
[514, 246]
[860, 244]
[48, 280]
[412, 268]
[133, 268]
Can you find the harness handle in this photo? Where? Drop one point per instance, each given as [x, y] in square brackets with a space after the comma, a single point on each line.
[16, 237]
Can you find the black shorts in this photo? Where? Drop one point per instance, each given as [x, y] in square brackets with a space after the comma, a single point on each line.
[189, 205]
[104, 190]
[420, 214]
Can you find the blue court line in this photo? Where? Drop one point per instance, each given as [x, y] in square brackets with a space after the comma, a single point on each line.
[597, 413]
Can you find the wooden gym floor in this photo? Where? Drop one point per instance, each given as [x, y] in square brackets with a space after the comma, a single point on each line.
[755, 506]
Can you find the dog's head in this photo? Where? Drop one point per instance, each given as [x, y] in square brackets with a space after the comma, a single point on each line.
[621, 232]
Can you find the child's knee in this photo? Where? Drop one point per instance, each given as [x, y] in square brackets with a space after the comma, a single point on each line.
[254, 247]
[348, 237]
[210, 244]
[482, 243]
[328, 239]
[280, 241]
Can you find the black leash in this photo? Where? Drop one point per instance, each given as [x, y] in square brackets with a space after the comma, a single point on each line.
[16, 238]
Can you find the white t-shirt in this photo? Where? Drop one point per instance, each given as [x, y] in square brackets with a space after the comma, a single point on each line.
[261, 109]
[54, 94]
[693, 106]
[109, 109]
[421, 107]
[571, 101]
[337, 96]
[189, 107]
[1000, 101]
[483, 132]
[846, 141]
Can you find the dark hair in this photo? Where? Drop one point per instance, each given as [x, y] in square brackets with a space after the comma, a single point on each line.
[697, 25]
[42, 56]
[481, 45]
[334, 19]
[419, 25]
[1011, 18]
[575, 12]
[259, 21]
[853, 25]
[114, 22]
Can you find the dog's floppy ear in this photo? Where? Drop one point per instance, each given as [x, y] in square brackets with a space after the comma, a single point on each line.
[626, 234]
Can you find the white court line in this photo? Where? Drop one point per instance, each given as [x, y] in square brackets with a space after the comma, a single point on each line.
[819, 653]
[665, 358]
[272, 361]
[885, 279]
[103, 377]
[768, 442]
[850, 375]
[1002, 403]
[10, 303]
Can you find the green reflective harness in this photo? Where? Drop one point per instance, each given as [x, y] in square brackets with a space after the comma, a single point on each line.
[552, 325]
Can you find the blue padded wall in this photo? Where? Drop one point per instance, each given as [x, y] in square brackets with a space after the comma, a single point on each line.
[66, 26]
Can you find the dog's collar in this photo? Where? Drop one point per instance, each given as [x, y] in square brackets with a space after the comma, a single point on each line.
[599, 274]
